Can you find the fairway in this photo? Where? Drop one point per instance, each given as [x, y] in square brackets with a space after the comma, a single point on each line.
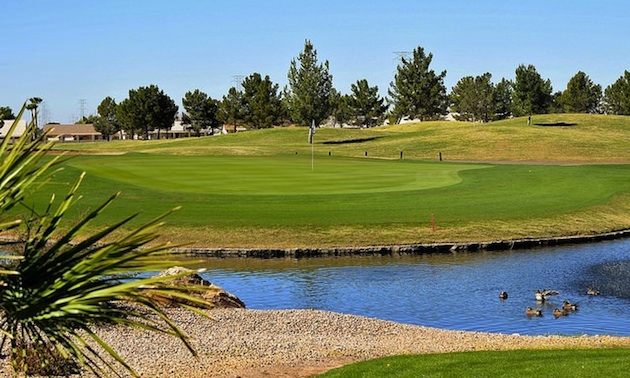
[295, 175]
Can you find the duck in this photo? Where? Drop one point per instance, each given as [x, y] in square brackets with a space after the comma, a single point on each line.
[592, 291]
[558, 313]
[568, 306]
[542, 295]
[503, 295]
[533, 311]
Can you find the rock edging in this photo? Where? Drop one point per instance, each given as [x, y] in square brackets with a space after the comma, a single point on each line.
[404, 249]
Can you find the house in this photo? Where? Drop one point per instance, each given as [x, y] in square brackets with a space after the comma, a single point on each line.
[180, 129]
[231, 129]
[86, 132]
[72, 132]
[6, 124]
[177, 130]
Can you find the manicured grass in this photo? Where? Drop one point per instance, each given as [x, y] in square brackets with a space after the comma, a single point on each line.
[280, 175]
[280, 201]
[257, 188]
[518, 363]
[584, 138]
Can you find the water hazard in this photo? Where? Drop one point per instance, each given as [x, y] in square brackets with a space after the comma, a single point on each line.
[454, 291]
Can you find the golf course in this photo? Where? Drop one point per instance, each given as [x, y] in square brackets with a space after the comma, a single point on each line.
[566, 174]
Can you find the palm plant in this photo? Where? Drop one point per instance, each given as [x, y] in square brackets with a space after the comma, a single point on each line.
[56, 286]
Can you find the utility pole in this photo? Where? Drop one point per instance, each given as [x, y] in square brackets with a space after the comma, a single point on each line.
[82, 105]
[44, 114]
[402, 54]
[238, 81]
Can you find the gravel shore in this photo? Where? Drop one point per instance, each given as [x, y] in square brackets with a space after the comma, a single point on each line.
[300, 343]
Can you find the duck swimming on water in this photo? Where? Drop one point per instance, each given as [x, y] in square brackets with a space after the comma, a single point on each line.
[568, 306]
[558, 313]
[542, 295]
[592, 291]
[533, 311]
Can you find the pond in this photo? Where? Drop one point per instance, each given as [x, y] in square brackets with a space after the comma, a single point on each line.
[451, 291]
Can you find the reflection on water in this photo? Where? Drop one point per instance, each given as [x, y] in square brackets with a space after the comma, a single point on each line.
[454, 291]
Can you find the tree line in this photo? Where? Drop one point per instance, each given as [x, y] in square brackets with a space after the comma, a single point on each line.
[416, 92]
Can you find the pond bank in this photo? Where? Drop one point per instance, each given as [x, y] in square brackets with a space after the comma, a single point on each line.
[300, 343]
[420, 248]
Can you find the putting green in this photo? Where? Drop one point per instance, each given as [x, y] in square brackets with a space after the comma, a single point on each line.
[285, 175]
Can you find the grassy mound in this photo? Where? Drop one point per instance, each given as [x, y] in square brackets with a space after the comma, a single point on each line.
[552, 138]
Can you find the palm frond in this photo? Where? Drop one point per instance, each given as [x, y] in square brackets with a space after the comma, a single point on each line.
[23, 167]
[60, 288]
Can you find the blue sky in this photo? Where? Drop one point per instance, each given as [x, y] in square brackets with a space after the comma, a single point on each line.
[81, 51]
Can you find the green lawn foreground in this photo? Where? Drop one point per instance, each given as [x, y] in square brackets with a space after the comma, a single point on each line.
[573, 363]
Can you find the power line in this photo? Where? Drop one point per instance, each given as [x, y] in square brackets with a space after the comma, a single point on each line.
[82, 106]
[238, 79]
[402, 54]
[44, 113]
[238, 82]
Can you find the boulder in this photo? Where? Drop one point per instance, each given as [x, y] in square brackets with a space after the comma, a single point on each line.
[215, 296]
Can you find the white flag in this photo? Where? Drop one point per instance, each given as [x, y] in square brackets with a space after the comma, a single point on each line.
[311, 132]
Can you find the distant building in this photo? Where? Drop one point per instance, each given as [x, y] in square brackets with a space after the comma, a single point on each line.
[80, 132]
[86, 133]
[6, 124]
[231, 129]
[177, 130]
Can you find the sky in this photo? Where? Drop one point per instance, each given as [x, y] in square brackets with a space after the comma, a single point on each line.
[74, 53]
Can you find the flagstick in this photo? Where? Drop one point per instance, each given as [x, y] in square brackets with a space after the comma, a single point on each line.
[311, 134]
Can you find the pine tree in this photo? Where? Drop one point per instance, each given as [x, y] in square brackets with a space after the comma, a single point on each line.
[532, 94]
[417, 91]
[367, 107]
[262, 106]
[107, 122]
[310, 89]
[201, 111]
[502, 98]
[231, 107]
[472, 98]
[147, 109]
[617, 96]
[341, 110]
[581, 95]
